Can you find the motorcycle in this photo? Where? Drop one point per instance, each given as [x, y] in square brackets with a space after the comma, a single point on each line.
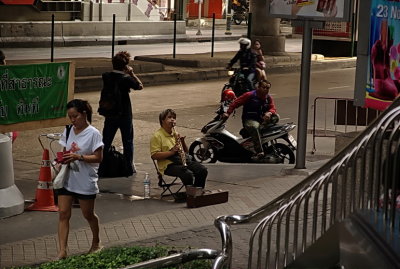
[218, 144]
[240, 16]
[238, 82]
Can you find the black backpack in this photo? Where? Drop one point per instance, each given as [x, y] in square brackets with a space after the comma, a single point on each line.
[114, 164]
[110, 98]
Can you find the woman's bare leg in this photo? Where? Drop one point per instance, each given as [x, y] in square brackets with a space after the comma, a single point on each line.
[64, 205]
[87, 207]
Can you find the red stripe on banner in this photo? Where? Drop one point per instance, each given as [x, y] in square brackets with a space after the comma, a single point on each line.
[376, 103]
[17, 2]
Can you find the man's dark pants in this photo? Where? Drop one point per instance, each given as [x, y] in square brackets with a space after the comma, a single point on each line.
[194, 170]
[111, 125]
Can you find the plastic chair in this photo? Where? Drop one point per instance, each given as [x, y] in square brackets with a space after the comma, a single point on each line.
[167, 186]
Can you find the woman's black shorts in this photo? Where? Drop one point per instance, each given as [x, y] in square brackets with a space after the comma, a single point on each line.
[64, 191]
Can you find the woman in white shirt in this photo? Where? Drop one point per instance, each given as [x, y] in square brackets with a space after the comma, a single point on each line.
[84, 151]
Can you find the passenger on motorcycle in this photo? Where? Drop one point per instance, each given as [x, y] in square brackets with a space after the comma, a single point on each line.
[247, 60]
[239, 4]
[258, 111]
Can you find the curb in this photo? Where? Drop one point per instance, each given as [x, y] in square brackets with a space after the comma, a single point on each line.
[74, 41]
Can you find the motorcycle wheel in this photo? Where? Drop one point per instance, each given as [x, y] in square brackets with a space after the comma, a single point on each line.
[283, 151]
[237, 21]
[200, 154]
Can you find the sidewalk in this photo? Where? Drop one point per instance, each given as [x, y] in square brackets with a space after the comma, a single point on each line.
[31, 238]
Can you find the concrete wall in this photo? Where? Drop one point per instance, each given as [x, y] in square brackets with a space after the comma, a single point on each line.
[343, 140]
[93, 29]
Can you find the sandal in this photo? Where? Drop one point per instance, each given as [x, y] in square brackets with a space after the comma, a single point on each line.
[95, 249]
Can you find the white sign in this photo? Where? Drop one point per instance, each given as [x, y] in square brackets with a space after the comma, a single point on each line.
[323, 10]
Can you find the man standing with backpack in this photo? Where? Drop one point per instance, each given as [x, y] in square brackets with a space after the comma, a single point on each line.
[115, 105]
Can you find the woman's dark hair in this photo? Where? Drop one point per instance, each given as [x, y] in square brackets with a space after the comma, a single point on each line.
[2, 58]
[265, 83]
[257, 40]
[82, 106]
[165, 113]
[120, 60]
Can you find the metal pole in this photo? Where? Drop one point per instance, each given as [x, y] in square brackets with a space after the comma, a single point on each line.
[198, 28]
[249, 19]
[228, 18]
[129, 10]
[52, 39]
[174, 46]
[113, 36]
[101, 11]
[213, 35]
[91, 11]
[304, 96]
[353, 26]
[168, 9]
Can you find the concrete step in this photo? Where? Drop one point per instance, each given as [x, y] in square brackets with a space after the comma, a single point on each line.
[163, 69]
[173, 75]
[87, 67]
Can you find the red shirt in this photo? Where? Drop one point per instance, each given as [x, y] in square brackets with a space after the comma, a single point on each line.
[243, 99]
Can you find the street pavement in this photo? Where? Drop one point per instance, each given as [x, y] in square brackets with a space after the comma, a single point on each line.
[127, 219]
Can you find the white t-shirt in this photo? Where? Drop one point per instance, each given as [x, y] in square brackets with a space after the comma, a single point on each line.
[86, 142]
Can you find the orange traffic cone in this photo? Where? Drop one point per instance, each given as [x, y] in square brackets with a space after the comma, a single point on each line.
[44, 200]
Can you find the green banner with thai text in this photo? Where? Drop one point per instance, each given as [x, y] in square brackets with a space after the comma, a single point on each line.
[33, 92]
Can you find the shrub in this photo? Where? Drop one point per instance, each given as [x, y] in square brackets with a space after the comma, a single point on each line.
[116, 257]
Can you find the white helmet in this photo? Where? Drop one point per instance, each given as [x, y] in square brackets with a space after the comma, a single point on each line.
[245, 41]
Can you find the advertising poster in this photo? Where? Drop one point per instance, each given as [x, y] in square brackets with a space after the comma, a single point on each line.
[312, 9]
[33, 92]
[383, 79]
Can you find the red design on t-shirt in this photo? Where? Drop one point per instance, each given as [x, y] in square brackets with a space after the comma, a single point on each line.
[74, 147]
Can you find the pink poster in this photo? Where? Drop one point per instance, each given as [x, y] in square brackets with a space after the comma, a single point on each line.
[383, 80]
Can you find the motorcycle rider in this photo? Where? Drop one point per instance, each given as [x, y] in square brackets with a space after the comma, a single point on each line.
[258, 111]
[247, 60]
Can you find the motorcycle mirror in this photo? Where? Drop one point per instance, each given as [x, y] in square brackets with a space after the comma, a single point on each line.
[230, 72]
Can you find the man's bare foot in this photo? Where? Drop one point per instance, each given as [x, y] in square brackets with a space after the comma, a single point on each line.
[95, 248]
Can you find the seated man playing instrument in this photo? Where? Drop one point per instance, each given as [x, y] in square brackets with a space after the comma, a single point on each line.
[169, 149]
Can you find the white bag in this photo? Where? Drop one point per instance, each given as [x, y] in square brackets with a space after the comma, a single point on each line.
[59, 180]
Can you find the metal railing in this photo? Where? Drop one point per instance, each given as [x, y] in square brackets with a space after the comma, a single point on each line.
[346, 117]
[178, 258]
[360, 177]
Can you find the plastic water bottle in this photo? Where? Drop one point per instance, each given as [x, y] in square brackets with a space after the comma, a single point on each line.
[146, 185]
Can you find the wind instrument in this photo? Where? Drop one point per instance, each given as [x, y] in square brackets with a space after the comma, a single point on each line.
[181, 152]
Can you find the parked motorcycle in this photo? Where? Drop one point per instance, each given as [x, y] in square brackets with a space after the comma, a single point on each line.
[239, 16]
[238, 82]
[218, 144]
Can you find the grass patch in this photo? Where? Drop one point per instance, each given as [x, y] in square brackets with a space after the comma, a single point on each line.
[116, 257]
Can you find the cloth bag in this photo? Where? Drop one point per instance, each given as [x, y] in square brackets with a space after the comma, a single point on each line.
[61, 177]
